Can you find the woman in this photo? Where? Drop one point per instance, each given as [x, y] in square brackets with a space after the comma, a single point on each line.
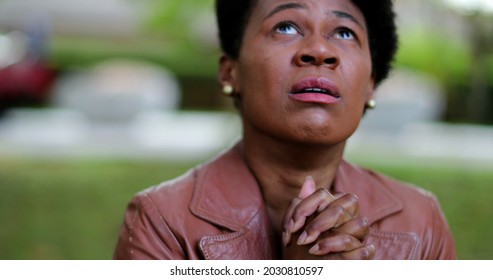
[302, 73]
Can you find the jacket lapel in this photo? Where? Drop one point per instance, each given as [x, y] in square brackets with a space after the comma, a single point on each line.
[227, 195]
[378, 203]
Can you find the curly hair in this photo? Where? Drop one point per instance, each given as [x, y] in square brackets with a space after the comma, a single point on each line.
[233, 15]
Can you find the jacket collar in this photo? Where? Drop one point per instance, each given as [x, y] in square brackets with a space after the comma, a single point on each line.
[226, 192]
[376, 198]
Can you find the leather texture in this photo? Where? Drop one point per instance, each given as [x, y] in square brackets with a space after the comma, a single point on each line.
[215, 211]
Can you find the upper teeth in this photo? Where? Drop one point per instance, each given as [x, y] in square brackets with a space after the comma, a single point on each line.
[316, 90]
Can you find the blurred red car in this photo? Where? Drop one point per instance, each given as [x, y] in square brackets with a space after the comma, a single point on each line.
[25, 83]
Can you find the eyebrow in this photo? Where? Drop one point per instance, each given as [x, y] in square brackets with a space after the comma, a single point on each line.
[345, 15]
[287, 6]
[283, 7]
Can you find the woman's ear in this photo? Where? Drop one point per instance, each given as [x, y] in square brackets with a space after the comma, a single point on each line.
[370, 89]
[370, 102]
[227, 75]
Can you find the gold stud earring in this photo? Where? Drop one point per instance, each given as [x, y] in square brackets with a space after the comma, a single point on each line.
[371, 104]
[228, 89]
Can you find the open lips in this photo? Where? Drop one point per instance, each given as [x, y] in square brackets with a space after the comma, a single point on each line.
[315, 90]
[316, 86]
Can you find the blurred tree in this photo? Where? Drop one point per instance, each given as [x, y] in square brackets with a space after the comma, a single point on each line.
[185, 21]
[429, 51]
[190, 34]
[462, 62]
[177, 34]
[480, 101]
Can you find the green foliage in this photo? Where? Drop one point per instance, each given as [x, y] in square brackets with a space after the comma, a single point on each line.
[489, 62]
[177, 34]
[72, 209]
[176, 18]
[180, 57]
[436, 54]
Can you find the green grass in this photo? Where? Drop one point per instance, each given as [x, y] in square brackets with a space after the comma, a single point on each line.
[465, 193]
[69, 209]
[72, 209]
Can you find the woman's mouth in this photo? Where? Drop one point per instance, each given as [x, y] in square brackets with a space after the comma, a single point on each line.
[315, 90]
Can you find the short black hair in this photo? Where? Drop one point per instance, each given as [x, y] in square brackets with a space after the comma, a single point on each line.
[233, 15]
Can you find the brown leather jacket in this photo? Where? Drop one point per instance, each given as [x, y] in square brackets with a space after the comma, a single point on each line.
[215, 211]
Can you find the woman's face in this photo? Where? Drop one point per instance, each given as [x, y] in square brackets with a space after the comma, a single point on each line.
[304, 70]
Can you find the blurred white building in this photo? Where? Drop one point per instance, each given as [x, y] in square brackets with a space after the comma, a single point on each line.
[112, 18]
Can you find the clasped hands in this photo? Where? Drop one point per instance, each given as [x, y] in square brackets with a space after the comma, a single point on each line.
[318, 225]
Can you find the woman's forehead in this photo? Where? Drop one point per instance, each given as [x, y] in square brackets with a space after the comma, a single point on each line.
[340, 8]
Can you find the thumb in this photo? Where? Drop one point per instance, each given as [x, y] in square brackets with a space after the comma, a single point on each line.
[308, 188]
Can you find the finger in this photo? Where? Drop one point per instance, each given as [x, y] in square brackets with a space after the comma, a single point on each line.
[308, 207]
[292, 224]
[326, 202]
[363, 253]
[332, 217]
[336, 244]
[307, 188]
[288, 222]
[349, 202]
[288, 217]
[357, 227]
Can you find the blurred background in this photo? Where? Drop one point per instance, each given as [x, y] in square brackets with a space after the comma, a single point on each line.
[100, 99]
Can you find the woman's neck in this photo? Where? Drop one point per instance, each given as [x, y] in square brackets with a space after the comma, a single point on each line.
[281, 168]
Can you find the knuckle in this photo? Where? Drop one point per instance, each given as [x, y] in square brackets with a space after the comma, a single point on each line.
[363, 222]
[351, 198]
[340, 211]
[321, 191]
[299, 212]
[322, 195]
[325, 247]
[314, 227]
[347, 240]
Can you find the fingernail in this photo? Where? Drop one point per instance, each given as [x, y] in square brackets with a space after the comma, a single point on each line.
[365, 223]
[367, 253]
[314, 250]
[308, 178]
[291, 226]
[310, 239]
[372, 249]
[286, 238]
[302, 238]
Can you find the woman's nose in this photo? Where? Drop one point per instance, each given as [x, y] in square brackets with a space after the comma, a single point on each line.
[317, 51]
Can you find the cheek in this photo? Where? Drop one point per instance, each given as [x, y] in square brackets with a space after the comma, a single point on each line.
[261, 76]
[360, 85]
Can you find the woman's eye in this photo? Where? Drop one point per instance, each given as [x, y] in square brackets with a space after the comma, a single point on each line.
[287, 29]
[345, 34]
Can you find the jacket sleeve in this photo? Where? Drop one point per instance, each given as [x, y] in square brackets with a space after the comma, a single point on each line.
[442, 243]
[145, 234]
